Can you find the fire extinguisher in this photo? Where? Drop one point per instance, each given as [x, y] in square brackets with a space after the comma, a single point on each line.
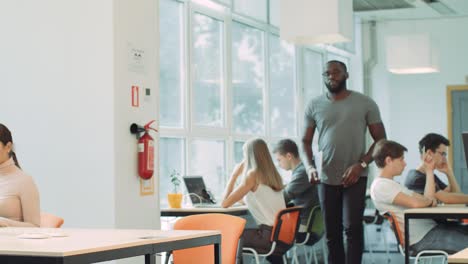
[145, 150]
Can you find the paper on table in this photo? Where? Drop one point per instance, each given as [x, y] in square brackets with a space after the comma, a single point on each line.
[33, 236]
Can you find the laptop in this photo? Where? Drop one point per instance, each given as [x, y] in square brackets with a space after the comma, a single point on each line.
[198, 193]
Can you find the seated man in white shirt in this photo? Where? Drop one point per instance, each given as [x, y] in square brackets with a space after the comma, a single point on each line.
[389, 196]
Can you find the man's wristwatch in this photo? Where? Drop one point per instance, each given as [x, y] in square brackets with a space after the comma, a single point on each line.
[363, 164]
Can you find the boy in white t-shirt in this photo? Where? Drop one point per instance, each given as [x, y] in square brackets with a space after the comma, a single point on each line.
[389, 196]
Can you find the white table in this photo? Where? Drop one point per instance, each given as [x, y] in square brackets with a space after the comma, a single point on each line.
[176, 212]
[460, 257]
[96, 245]
[440, 212]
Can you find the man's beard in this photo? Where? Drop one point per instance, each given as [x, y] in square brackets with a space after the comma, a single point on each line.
[341, 86]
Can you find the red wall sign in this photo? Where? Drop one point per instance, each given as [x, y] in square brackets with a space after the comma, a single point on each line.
[135, 96]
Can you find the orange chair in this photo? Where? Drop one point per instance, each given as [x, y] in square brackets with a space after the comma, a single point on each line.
[284, 232]
[401, 241]
[231, 228]
[50, 220]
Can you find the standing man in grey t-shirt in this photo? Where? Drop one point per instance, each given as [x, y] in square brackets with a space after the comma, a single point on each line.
[341, 118]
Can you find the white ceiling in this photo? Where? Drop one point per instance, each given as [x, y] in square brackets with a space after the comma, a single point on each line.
[384, 10]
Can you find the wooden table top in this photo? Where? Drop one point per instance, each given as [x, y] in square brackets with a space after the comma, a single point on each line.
[460, 257]
[451, 208]
[81, 241]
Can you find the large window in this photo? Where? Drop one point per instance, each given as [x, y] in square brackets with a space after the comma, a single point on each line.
[225, 77]
[282, 89]
[207, 67]
[248, 79]
[313, 82]
[207, 158]
[171, 157]
[255, 9]
[171, 64]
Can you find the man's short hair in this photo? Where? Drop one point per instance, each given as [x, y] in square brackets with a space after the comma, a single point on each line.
[387, 148]
[342, 64]
[432, 141]
[286, 146]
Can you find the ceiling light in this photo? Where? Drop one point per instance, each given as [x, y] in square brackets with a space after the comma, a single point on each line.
[411, 54]
[306, 22]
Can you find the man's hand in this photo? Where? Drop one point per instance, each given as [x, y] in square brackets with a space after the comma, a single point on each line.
[429, 161]
[444, 167]
[314, 179]
[352, 174]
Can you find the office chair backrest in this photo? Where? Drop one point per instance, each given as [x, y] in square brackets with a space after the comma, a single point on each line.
[50, 220]
[286, 225]
[396, 228]
[315, 223]
[231, 228]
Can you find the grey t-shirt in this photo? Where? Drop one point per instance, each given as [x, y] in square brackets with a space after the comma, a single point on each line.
[300, 192]
[341, 127]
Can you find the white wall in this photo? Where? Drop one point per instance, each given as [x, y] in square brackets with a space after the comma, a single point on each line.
[66, 97]
[414, 105]
[57, 98]
[136, 28]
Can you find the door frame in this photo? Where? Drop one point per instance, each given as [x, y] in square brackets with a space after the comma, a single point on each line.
[450, 89]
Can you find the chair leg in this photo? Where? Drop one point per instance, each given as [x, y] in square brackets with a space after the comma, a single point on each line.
[324, 250]
[384, 237]
[285, 260]
[307, 254]
[294, 258]
[366, 242]
[168, 256]
[315, 256]
[294, 255]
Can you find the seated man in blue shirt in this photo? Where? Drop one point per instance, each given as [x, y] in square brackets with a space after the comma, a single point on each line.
[298, 191]
[416, 179]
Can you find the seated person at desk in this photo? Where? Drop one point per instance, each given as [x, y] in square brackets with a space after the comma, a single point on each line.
[415, 180]
[390, 196]
[260, 187]
[19, 198]
[298, 191]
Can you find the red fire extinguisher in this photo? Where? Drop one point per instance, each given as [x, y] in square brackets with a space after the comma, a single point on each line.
[145, 151]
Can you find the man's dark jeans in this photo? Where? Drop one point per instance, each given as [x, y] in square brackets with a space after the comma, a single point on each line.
[344, 208]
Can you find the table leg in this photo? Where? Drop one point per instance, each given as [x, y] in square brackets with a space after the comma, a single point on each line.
[406, 239]
[217, 253]
[150, 259]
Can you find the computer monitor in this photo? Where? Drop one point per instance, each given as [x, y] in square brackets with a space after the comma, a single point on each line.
[465, 146]
[197, 190]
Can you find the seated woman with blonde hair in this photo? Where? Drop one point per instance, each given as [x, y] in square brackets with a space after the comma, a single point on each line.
[19, 198]
[261, 189]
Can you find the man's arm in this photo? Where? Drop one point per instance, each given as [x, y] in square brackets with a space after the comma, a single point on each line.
[352, 174]
[309, 162]
[377, 132]
[297, 185]
[451, 198]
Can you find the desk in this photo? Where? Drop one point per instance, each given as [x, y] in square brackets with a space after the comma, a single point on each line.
[176, 212]
[440, 212]
[460, 257]
[96, 245]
